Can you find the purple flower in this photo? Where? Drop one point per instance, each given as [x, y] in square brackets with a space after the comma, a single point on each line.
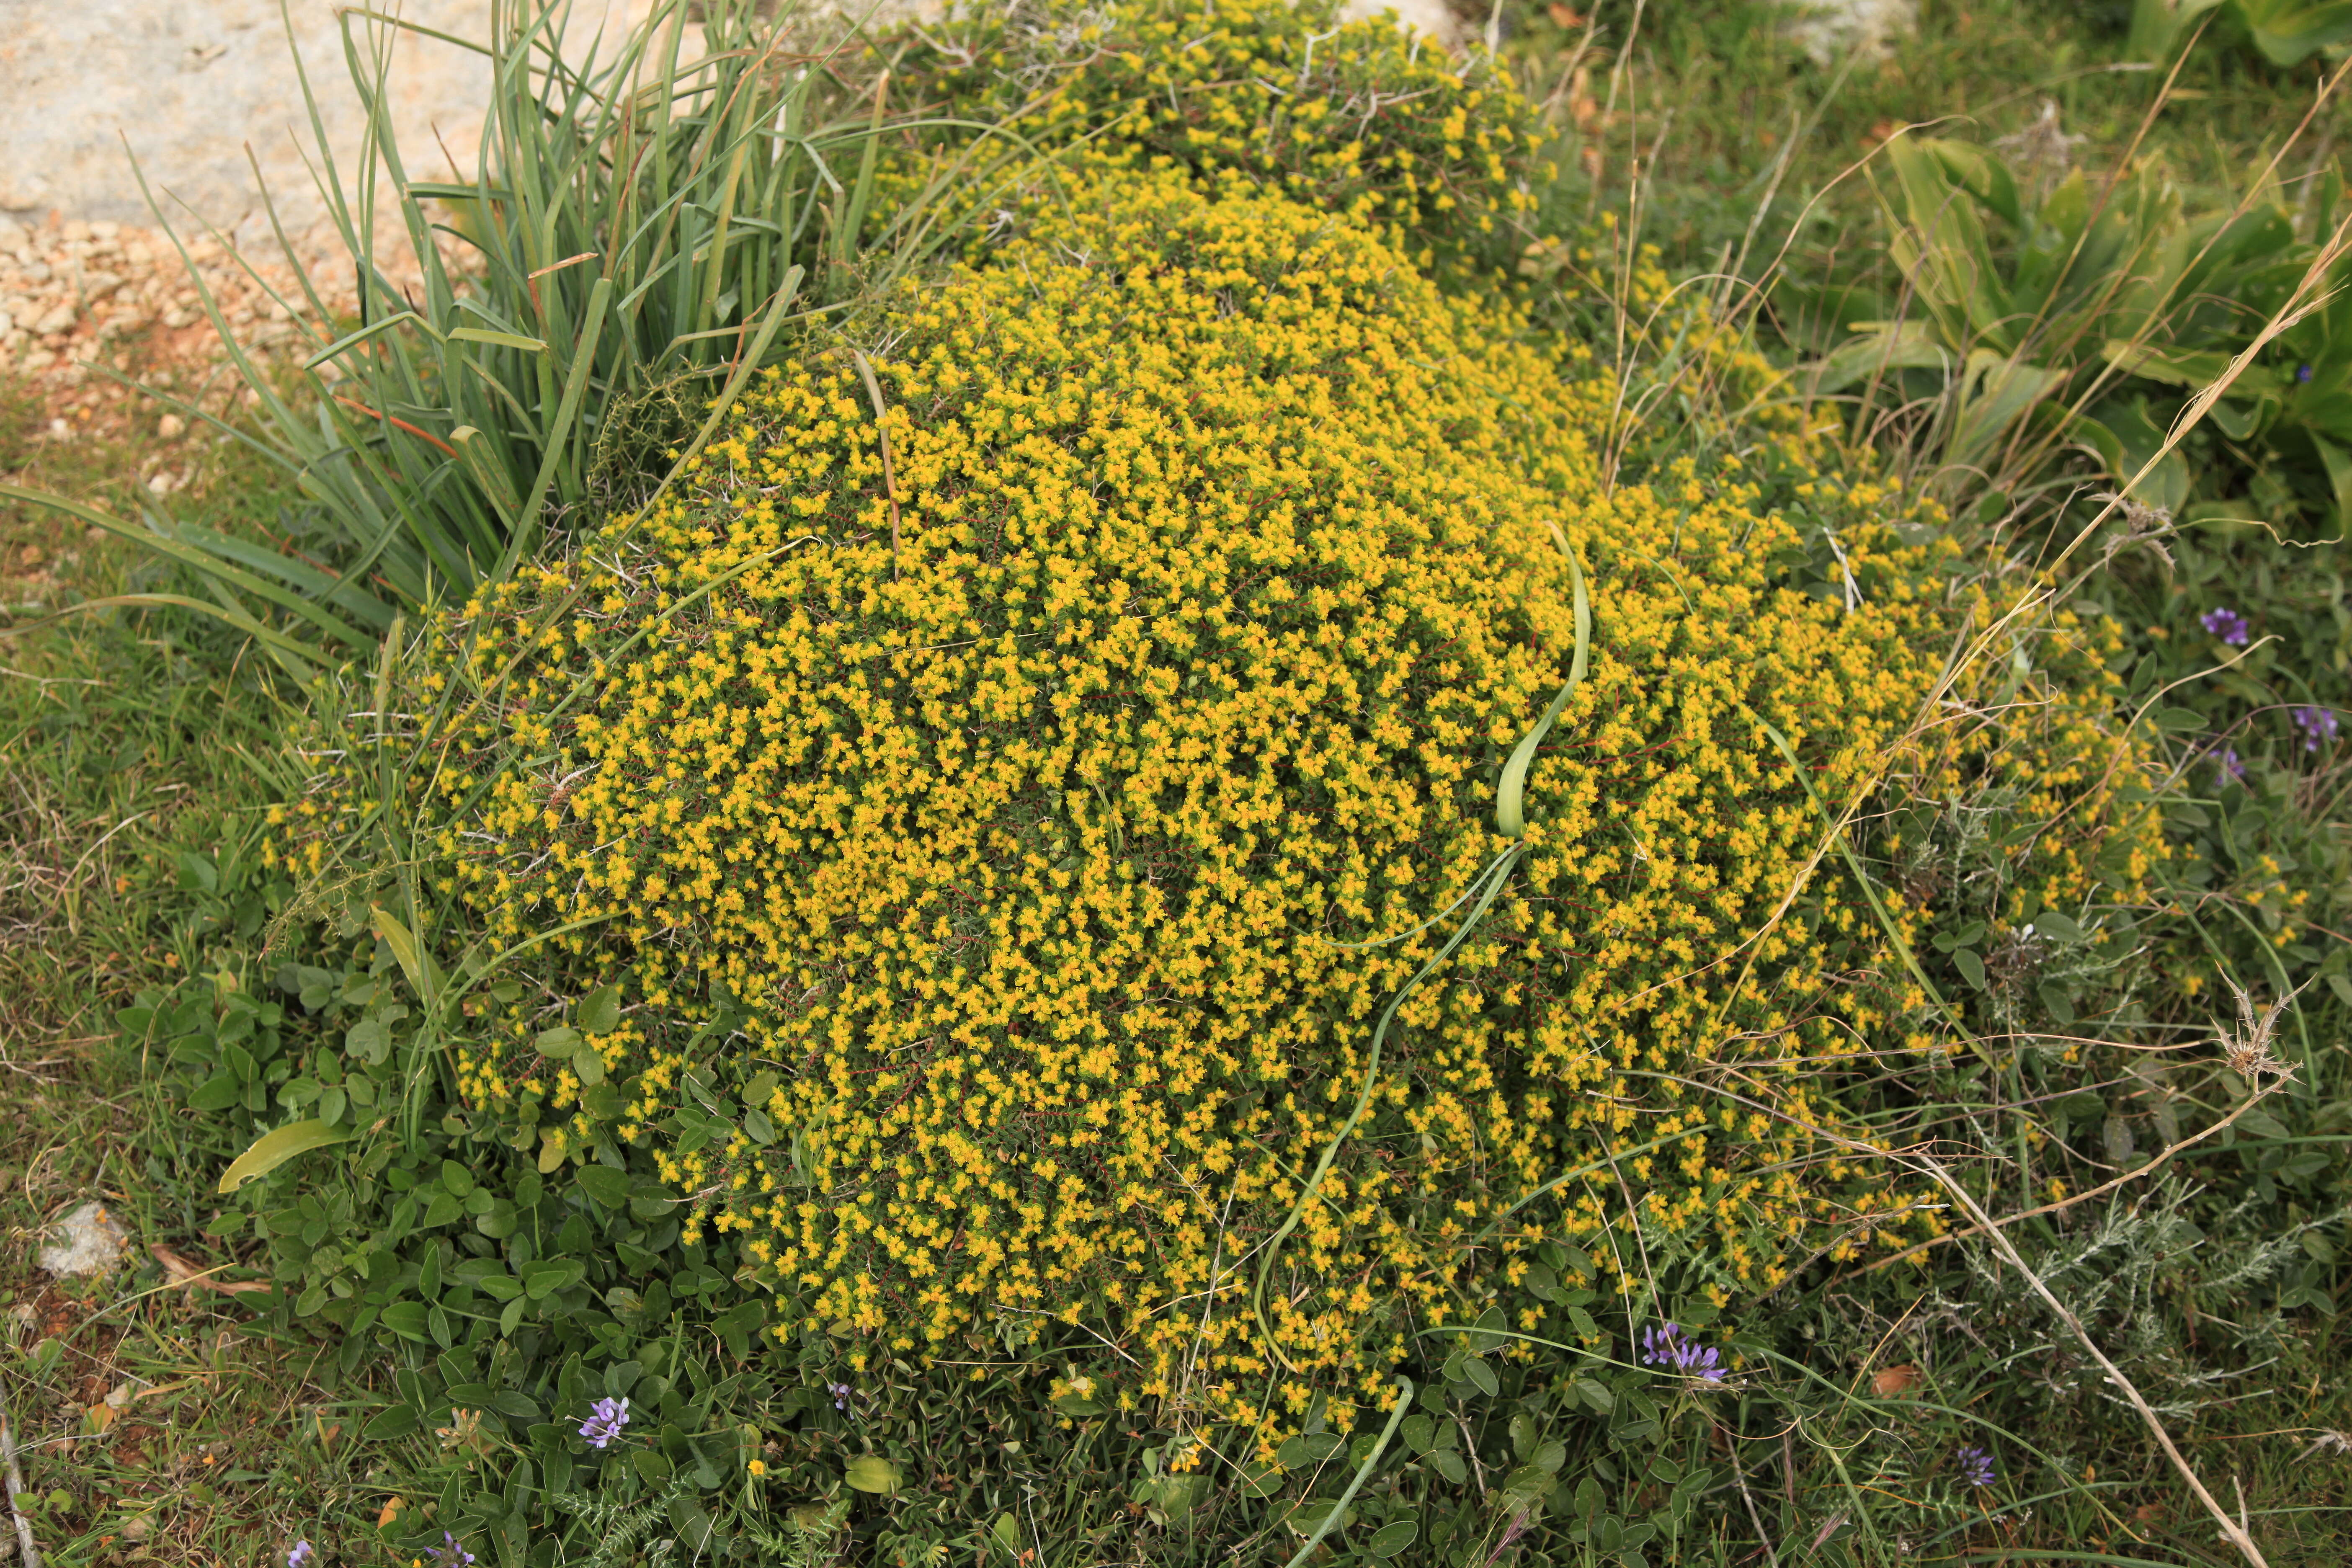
[450, 1553]
[604, 1422]
[1667, 1347]
[2227, 624]
[2226, 761]
[301, 1556]
[1976, 1467]
[841, 1393]
[2317, 724]
[2303, 375]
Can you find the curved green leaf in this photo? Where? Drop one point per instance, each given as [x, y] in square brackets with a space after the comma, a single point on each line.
[272, 1150]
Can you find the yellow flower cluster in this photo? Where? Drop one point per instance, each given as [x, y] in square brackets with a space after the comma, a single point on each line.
[1027, 785]
[1359, 117]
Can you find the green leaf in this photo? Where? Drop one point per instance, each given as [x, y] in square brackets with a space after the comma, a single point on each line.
[1510, 818]
[217, 1092]
[1971, 966]
[600, 1010]
[872, 1473]
[413, 963]
[1006, 1532]
[1479, 1373]
[1448, 1463]
[2057, 927]
[1307, 1518]
[651, 1464]
[562, 1042]
[606, 1185]
[394, 1421]
[544, 1280]
[2180, 720]
[498, 340]
[272, 1150]
[1393, 1538]
[405, 1319]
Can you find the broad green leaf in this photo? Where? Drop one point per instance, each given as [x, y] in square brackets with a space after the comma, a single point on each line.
[1393, 1538]
[600, 1010]
[271, 1150]
[1879, 347]
[872, 1473]
[606, 1185]
[561, 1042]
[217, 1092]
[394, 1421]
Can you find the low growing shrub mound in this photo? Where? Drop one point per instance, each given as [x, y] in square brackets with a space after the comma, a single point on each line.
[967, 873]
[984, 837]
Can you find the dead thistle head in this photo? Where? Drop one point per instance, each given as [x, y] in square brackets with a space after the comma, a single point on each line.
[2144, 526]
[2247, 1049]
[2043, 148]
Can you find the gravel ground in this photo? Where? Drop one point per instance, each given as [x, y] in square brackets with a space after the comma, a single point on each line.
[86, 308]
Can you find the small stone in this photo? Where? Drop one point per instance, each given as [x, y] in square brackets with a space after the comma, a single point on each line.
[105, 228]
[12, 232]
[8, 323]
[60, 318]
[36, 272]
[97, 286]
[176, 318]
[76, 229]
[39, 359]
[88, 1241]
[171, 427]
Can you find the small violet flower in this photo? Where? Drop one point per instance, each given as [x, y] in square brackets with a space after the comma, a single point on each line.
[303, 1556]
[1976, 1467]
[2226, 761]
[2317, 724]
[604, 1422]
[2227, 624]
[841, 1393]
[2303, 375]
[450, 1553]
[1667, 1346]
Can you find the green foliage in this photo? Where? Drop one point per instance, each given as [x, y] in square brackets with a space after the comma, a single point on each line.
[2090, 318]
[2286, 32]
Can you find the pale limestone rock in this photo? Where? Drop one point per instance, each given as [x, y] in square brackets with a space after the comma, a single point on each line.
[88, 1241]
[1869, 30]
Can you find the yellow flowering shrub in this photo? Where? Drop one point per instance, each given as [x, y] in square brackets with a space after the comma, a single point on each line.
[1354, 116]
[983, 829]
